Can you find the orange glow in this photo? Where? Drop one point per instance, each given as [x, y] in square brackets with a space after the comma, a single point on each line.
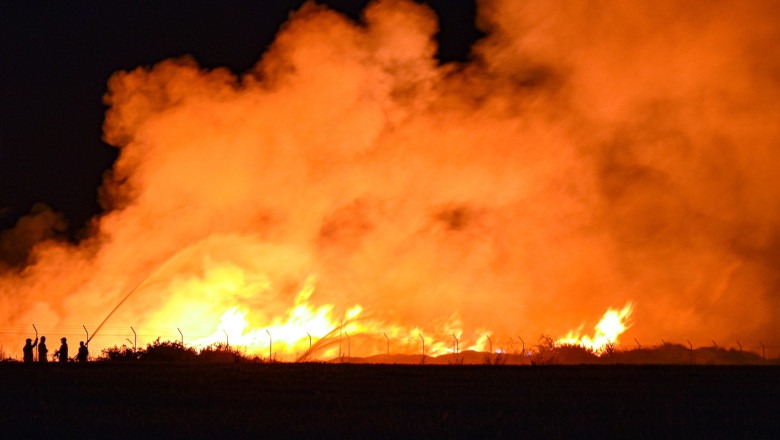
[352, 188]
[611, 326]
[288, 334]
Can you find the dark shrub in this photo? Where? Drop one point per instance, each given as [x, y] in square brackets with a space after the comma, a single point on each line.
[123, 353]
[167, 351]
[221, 353]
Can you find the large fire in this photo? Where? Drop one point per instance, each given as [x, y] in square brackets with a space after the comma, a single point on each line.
[350, 195]
[611, 326]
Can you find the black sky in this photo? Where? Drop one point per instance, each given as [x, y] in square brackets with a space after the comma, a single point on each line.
[57, 57]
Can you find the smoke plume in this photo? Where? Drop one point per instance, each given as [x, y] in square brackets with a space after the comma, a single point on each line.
[589, 154]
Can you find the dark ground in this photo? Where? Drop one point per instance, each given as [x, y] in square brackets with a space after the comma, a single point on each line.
[388, 401]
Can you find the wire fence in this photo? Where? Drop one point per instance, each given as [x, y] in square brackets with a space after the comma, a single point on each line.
[12, 339]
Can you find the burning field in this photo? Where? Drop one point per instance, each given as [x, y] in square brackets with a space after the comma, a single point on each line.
[596, 171]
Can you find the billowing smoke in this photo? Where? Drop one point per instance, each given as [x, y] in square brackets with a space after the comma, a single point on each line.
[590, 154]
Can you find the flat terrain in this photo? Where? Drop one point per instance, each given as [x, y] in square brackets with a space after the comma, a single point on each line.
[117, 400]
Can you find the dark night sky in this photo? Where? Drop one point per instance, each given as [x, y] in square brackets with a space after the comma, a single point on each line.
[57, 57]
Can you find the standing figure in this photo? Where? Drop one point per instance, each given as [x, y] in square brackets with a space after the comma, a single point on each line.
[43, 351]
[62, 353]
[83, 353]
[28, 350]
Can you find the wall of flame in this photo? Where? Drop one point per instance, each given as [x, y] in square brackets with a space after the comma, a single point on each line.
[590, 154]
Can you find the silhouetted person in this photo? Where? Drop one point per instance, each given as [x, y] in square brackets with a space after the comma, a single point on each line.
[43, 351]
[83, 353]
[62, 353]
[28, 350]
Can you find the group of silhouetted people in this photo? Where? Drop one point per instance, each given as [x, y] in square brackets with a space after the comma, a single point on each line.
[61, 355]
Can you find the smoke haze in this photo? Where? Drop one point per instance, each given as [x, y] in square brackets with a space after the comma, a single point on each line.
[589, 154]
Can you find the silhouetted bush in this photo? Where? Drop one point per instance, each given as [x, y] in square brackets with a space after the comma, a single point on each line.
[221, 353]
[123, 353]
[564, 354]
[547, 352]
[4, 356]
[546, 344]
[167, 351]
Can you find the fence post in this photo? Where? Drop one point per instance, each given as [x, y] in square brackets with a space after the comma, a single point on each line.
[423, 346]
[341, 333]
[270, 346]
[36, 341]
[522, 342]
[690, 347]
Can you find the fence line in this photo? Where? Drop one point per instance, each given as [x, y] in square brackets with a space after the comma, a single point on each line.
[12, 338]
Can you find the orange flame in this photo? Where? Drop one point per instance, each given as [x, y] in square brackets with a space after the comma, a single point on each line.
[612, 325]
[433, 201]
[315, 331]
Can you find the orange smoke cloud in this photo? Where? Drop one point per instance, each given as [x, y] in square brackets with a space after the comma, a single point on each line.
[590, 154]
